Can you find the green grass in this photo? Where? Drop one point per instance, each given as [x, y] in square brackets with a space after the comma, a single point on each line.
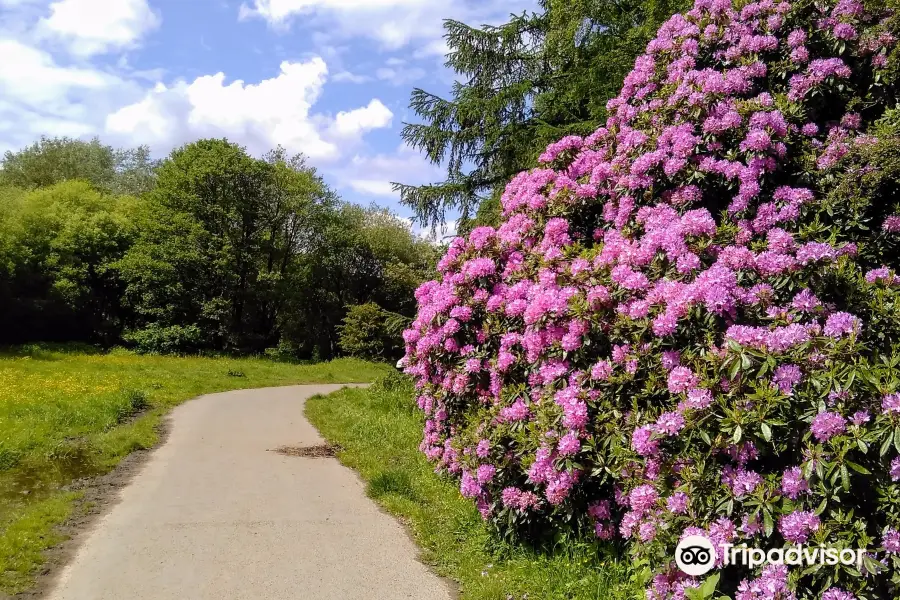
[67, 414]
[379, 431]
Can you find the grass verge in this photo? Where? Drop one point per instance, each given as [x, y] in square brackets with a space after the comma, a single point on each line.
[69, 414]
[379, 431]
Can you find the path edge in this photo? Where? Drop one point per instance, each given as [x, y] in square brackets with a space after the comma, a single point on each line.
[452, 586]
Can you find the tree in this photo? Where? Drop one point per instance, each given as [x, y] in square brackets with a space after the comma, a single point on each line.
[52, 160]
[372, 333]
[365, 255]
[522, 85]
[220, 234]
[57, 248]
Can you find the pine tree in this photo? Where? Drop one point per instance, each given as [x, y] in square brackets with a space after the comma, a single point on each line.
[520, 86]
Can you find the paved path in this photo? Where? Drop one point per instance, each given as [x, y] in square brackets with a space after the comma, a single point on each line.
[214, 515]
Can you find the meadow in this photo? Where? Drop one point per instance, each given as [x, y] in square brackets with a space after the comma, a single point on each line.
[379, 430]
[70, 413]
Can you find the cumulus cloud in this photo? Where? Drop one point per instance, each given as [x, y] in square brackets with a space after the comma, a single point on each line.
[393, 23]
[279, 11]
[64, 75]
[90, 27]
[33, 76]
[400, 75]
[372, 187]
[348, 77]
[358, 121]
[38, 96]
[261, 115]
[372, 174]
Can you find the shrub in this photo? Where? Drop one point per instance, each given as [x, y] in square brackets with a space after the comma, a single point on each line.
[158, 339]
[371, 332]
[688, 322]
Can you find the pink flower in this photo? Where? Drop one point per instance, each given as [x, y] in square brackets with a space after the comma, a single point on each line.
[485, 473]
[670, 423]
[891, 541]
[840, 324]
[681, 379]
[601, 371]
[643, 498]
[890, 404]
[469, 486]
[642, 441]
[844, 31]
[793, 483]
[786, 377]
[677, 503]
[798, 525]
[569, 444]
[826, 425]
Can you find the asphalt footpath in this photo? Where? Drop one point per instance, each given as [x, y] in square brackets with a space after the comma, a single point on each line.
[216, 514]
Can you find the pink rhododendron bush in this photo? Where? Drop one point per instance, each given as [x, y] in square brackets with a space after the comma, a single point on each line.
[688, 322]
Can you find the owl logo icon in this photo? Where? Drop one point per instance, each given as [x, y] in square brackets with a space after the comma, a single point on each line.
[695, 555]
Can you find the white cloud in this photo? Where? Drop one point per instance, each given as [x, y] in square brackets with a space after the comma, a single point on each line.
[437, 47]
[373, 187]
[444, 233]
[372, 174]
[260, 115]
[279, 11]
[355, 122]
[34, 77]
[348, 77]
[393, 23]
[400, 76]
[90, 27]
[38, 96]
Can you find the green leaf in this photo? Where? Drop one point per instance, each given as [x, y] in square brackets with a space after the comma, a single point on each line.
[708, 587]
[872, 565]
[766, 432]
[693, 594]
[735, 367]
[845, 478]
[857, 468]
[738, 432]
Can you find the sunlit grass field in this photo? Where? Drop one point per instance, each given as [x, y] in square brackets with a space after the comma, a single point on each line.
[67, 414]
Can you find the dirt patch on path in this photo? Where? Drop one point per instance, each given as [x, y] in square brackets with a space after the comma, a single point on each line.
[317, 451]
[98, 496]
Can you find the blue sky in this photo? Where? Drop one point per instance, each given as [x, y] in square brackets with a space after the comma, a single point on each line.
[329, 78]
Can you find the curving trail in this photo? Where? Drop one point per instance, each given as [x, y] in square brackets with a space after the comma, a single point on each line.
[214, 515]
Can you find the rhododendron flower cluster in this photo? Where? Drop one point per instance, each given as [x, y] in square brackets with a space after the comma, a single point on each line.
[688, 322]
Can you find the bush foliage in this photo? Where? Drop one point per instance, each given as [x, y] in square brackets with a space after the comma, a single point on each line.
[372, 333]
[688, 321]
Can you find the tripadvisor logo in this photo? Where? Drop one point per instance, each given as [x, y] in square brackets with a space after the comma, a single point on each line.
[695, 555]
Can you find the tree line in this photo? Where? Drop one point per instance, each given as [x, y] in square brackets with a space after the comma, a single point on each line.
[209, 249]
